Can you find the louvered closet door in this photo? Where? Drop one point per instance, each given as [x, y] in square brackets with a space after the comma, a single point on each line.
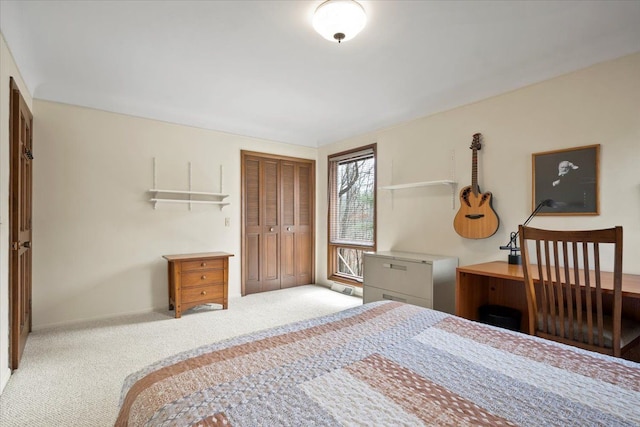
[288, 234]
[278, 220]
[296, 255]
[304, 224]
[252, 250]
[271, 228]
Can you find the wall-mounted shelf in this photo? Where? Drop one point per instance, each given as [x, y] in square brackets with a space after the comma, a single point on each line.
[418, 184]
[199, 193]
[187, 196]
[165, 196]
[450, 182]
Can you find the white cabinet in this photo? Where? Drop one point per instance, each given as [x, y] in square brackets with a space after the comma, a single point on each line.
[419, 279]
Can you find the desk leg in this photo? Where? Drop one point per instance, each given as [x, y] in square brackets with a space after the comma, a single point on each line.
[175, 270]
[170, 283]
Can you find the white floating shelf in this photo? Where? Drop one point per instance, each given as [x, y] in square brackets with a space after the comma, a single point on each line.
[204, 202]
[448, 182]
[186, 196]
[195, 193]
[418, 184]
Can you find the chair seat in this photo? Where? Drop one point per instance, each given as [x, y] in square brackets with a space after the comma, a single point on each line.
[630, 330]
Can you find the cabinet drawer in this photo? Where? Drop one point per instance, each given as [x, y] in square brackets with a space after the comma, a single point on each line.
[202, 264]
[203, 277]
[371, 294]
[409, 278]
[203, 293]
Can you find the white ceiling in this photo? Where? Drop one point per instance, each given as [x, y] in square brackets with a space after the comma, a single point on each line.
[257, 68]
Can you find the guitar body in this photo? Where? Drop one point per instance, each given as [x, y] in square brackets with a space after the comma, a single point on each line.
[476, 218]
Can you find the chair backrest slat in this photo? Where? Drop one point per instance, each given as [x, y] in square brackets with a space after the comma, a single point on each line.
[579, 313]
[596, 258]
[549, 300]
[556, 285]
[569, 294]
[587, 286]
[543, 294]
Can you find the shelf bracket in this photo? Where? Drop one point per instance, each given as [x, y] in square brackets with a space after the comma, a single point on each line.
[453, 179]
[190, 189]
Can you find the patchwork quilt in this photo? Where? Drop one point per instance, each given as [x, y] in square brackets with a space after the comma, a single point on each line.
[384, 364]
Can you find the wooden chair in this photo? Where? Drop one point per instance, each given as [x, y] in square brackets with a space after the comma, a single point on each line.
[565, 304]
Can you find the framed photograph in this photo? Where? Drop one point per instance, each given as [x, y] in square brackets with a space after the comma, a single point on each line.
[568, 179]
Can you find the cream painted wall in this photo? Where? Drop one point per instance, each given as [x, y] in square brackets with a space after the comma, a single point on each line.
[598, 105]
[98, 242]
[8, 69]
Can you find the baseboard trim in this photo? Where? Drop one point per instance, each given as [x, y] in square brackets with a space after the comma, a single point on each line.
[4, 379]
[92, 319]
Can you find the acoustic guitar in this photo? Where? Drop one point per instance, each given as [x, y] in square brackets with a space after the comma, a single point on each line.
[476, 218]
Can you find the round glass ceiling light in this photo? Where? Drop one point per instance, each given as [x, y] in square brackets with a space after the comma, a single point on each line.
[339, 20]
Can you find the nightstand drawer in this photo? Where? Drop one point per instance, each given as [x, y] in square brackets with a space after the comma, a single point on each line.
[204, 277]
[203, 293]
[203, 264]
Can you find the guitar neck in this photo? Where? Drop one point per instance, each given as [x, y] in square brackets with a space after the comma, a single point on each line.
[474, 172]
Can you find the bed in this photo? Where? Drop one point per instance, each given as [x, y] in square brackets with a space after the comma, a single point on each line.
[385, 364]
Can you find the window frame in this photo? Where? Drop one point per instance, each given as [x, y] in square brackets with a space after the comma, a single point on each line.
[332, 249]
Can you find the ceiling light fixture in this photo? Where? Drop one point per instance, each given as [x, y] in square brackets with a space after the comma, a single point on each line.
[339, 20]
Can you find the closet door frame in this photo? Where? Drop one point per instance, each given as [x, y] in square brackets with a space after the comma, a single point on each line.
[268, 156]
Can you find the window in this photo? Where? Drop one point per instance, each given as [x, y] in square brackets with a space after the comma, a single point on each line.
[352, 208]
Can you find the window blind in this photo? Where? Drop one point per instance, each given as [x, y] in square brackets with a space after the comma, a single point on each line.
[351, 198]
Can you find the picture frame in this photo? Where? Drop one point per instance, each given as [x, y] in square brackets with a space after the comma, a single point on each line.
[570, 178]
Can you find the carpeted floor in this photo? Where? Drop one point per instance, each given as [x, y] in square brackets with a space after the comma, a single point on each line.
[72, 376]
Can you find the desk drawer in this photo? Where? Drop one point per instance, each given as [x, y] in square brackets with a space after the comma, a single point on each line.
[371, 294]
[203, 294]
[203, 277]
[409, 278]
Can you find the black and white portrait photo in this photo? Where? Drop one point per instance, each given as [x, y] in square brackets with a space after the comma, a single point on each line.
[569, 177]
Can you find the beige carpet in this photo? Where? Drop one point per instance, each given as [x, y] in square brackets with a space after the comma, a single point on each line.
[72, 376]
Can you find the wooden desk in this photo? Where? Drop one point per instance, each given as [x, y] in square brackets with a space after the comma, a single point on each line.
[501, 283]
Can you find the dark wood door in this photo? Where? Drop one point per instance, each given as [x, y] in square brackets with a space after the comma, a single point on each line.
[305, 183]
[277, 220]
[252, 226]
[271, 227]
[288, 202]
[20, 176]
[297, 214]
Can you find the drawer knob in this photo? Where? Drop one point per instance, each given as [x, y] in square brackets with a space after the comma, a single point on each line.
[203, 277]
[203, 293]
[204, 264]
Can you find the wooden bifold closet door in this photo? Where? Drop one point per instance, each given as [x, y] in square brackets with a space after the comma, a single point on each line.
[277, 222]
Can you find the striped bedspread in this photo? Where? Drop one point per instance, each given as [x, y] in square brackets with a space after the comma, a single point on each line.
[384, 364]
